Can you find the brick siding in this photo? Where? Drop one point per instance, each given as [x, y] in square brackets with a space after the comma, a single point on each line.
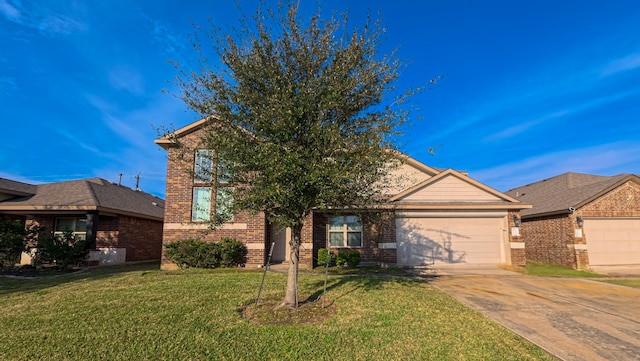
[141, 237]
[552, 239]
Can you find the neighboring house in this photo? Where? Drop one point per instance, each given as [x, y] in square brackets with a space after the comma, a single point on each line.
[124, 224]
[582, 220]
[433, 216]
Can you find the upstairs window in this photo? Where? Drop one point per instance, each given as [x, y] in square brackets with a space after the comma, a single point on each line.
[345, 231]
[203, 166]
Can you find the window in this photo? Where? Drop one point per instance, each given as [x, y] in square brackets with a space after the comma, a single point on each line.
[203, 173]
[224, 204]
[203, 168]
[345, 231]
[201, 204]
[76, 225]
[203, 165]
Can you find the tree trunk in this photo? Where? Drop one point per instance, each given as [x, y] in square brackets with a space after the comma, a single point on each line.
[291, 297]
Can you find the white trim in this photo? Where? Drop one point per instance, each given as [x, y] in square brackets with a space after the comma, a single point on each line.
[517, 245]
[388, 245]
[203, 225]
[580, 246]
[454, 214]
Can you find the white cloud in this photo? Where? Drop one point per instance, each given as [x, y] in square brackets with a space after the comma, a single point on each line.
[46, 21]
[126, 78]
[8, 85]
[629, 62]
[606, 159]
[9, 11]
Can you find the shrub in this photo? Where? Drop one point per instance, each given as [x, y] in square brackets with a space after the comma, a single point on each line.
[349, 258]
[196, 253]
[325, 257]
[62, 250]
[233, 253]
[12, 242]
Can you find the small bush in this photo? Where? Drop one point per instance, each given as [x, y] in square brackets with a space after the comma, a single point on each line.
[62, 250]
[325, 257]
[196, 253]
[12, 242]
[233, 253]
[349, 258]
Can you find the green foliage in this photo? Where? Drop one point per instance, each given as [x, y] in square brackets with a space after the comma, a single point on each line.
[62, 250]
[552, 270]
[350, 258]
[303, 112]
[12, 242]
[232, 253]
[325, 257]
[196, 253]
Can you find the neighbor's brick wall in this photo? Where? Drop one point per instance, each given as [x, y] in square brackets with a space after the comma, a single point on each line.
[552, 239]
[141, 237]
[624, 201]
[248, 229]
[382, 231]
[548, 240]
[516, 256]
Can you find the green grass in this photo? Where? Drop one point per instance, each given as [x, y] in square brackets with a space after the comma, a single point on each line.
[629, 282]
[550, 270]
[140, 313]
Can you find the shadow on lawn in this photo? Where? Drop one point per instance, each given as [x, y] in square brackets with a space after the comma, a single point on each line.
[366, 282]
[9, 285]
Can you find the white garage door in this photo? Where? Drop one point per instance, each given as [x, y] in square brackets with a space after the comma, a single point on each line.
[613, 241]
[424, 241]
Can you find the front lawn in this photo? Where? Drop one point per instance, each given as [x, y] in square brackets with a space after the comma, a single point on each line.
[629, 282]
[141, 313]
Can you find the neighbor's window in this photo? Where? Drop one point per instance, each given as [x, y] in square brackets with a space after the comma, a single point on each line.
[201, 211]
[345, 231]
[76, 225]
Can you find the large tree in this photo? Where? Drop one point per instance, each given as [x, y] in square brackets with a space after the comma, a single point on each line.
[302, 114]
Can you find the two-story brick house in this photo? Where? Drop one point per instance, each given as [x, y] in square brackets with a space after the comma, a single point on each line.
[432, 216]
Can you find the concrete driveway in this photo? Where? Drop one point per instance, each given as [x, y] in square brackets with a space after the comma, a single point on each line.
[572, 319]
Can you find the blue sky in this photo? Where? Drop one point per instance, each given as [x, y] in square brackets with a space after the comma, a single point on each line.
[531, 89]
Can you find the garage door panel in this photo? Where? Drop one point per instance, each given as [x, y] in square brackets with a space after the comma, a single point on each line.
[613, 241]
[424, 241]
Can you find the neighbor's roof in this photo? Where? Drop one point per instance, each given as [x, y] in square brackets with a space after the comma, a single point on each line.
[84, 195]
[11, 187]
[557, 194]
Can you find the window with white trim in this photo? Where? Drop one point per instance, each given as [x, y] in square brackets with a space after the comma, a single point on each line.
[201, 211]
[203, 165]
[345, 231]
[77, 225]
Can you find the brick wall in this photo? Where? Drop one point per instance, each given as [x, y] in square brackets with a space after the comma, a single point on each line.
[141, 237]
[549, 240]
[517, 256]
[552, 239]
[249, 229]
[381, 230]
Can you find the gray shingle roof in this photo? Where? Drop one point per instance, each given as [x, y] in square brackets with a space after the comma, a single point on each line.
[557, 194]
[11, 187]
[91, 193]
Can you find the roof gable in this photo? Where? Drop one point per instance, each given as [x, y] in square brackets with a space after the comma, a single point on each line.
[558, 194]
[451, 186]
